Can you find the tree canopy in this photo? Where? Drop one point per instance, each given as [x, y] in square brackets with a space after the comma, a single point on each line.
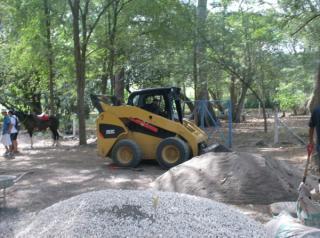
[55, 53]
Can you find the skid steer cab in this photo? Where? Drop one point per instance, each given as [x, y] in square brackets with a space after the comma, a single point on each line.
[150, 126]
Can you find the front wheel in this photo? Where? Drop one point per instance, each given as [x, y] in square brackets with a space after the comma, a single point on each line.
[171, 152]
[126, 153]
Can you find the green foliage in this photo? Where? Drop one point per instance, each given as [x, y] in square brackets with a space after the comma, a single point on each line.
[290, 96]
[154, 42]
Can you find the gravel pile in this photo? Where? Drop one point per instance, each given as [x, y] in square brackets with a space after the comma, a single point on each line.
[126, 213]
[11, 221]
[237, 178]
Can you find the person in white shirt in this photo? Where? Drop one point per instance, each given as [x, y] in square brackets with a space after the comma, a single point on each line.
[5, 137]
[14, 131]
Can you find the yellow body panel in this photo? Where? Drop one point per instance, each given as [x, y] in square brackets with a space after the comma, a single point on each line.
[147, 143]
[105, 145]
[117, 115]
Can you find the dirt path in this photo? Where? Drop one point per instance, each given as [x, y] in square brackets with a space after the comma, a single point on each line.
[55, 174]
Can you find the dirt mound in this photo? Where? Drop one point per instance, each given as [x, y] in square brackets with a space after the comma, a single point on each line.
[238, 178]
[127, 213]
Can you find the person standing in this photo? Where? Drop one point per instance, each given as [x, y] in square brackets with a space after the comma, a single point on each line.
[314, 123]
[6, 128]
[14, 131]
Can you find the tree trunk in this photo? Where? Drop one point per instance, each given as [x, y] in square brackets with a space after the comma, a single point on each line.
[104, 77]
[264, 113]
[119, 85]
[110, 69]
[112, 20]
[187, 101]
[240, 104]
[217, 102]
[49, 56]
[80, 70]
[200, 70]
[80, 50]
[36, 103]
[81, 103]
[202, 84]
[233, 95]
[315, 99]
[195, 69]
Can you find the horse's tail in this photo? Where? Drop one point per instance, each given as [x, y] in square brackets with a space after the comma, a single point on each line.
[54, 126]
[56, 119]
[59, 134]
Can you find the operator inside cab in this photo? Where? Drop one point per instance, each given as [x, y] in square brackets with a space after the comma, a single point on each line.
[155, 106]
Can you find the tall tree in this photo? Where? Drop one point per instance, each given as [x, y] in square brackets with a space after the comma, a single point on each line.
[202, 80]
[303, 17]
[47, 14]
[81, 29]
[116, 79]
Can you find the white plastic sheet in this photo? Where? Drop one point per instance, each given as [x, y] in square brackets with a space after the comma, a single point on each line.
[308, 211]
[284, 226]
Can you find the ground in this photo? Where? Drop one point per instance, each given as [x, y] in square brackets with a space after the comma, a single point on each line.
[55, 174]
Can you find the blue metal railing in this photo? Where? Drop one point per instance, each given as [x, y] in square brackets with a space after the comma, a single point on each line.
[201, 109]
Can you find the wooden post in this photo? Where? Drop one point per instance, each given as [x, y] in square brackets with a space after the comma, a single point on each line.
[259, 111]
[276, 126]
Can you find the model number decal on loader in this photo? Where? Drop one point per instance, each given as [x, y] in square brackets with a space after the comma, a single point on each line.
[108, 131]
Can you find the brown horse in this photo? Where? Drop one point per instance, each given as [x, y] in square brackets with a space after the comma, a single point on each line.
[35, 123]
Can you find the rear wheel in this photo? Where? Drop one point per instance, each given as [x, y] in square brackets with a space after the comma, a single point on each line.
[172, 151]
[126, 153]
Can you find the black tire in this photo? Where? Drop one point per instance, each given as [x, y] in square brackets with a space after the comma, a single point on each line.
[171, 152]
[126, 153]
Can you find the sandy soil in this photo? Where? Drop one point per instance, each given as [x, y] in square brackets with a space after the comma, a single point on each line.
[55, 174]
[250, 137]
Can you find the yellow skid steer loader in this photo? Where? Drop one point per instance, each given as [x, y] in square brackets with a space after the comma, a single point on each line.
[149, 126]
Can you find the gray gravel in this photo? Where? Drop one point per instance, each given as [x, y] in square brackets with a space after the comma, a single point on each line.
[127, 213]
[11, 221]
